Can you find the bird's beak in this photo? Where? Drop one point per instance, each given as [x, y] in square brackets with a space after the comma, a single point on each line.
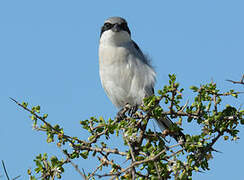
[116, 28]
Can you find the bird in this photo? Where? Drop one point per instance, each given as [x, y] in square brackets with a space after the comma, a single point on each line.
[125, 72]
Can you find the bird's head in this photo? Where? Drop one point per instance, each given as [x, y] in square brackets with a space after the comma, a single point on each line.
[115, 30]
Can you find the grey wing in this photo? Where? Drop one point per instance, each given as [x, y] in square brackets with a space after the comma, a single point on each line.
[163, 122]
[144, 59]
[149, 88]
[137, 48]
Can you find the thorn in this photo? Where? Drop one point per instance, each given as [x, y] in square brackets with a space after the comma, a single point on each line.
[185, 105]
[13, 100]
[215, 150]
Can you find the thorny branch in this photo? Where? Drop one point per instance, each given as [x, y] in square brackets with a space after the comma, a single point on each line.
[146, 153]
[82, 144]
[137, 163]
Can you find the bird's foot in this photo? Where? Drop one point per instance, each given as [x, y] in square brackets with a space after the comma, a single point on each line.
[132, 110]
[121, 114]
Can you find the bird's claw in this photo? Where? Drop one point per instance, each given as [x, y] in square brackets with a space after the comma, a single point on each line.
[132, 110]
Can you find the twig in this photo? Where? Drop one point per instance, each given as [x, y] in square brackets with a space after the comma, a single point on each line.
[172, 100]
[16, 177]
[146, 177]
[173, 154]
[132, 155]
[215, 103]
[237, 82]
[157, 170]
[179, 113]
[131, 149]
[93, 173]
[68, 138]
[183, 108]
[146, 119]
[96, 149]
[5, 171]
[74, 165]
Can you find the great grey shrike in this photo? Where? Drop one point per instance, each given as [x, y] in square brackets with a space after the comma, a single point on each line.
[126, 74]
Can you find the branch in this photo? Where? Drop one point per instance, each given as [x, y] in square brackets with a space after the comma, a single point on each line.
[237, 82]
[209, 147]
[96, 149]
[16, 177]
[132, 155]
[137, 163]
[68, 138]
[157, 170]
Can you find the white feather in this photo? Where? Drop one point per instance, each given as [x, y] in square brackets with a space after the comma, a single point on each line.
[125, 76]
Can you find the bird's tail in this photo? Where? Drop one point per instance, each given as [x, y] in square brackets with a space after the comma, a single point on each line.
[164, 123]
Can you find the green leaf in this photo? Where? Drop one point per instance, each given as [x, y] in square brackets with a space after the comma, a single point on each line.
[54, 160]
[29, 171]
[226, 138]
[242, 121]
[194, 88]
[33, 117]
[38, 107]
[24, 104]
[196, 168]
[84, 154]
[45, 116]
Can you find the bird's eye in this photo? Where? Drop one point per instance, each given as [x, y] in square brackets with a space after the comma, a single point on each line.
[107, 26]
[124, 26]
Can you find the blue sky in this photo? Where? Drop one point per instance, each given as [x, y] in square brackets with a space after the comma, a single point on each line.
[49, 57]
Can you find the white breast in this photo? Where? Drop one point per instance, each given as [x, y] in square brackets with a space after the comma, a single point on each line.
[125, 78]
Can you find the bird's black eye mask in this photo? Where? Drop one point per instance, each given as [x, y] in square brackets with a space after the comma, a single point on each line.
[107, 26]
